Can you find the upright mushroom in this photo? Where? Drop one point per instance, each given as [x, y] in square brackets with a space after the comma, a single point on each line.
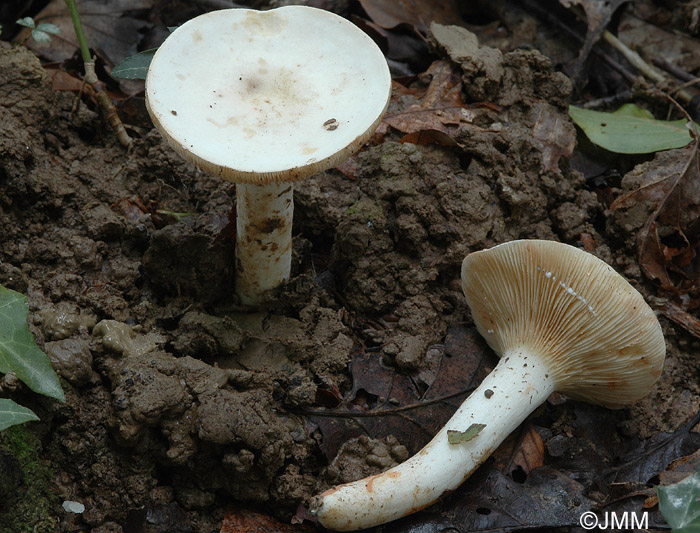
[560, 319]
[265, 98]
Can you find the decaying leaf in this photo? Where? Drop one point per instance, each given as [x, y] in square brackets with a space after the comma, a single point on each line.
[458, 437]
[440, 112]
[598, 15]
[246, 521]
[412, 408]
[528, 453]
[108, 25]
[491, 501]
[416, 13]
[667, 243]
[556, 137]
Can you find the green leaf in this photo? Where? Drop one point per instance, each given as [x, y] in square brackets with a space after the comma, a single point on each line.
[680, 504]
[134, 67]
[47, 27]
[18, 350]
[630, 130]
[458, 437]
[40, 36]
[27, 22]
[12, 414]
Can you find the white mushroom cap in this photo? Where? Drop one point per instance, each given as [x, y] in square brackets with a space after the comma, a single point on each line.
[267, 96]
[598, 336]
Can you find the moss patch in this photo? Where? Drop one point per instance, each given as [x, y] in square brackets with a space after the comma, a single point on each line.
[31, 509]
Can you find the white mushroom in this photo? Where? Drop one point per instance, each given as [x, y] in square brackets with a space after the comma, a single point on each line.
[560, 319]
[265, 98]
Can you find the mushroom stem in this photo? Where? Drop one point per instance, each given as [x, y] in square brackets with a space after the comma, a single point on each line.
[264, 238]
[515, 388]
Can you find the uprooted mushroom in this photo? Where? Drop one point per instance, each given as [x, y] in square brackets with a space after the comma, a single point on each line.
[265, 98]
[561, 320]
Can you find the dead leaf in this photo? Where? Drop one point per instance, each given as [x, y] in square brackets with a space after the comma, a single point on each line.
[680, 468]
[107, 24]
[63, 81]
[246, 521]
[598, 15]
[528, 453]
[491, 501]
[349, 168]
[555, 135]
[429, 137]
[386, 402]
[441, 110]
[676, 216]
[417, 13]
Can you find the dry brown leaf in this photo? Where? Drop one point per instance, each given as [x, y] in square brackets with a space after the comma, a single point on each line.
[680, 468]
[417, 13]
[106, 24]
[245, 521]
[429, 137]
[441, 108]
[528, 453]
[598, 15]
[676, 217]
[555, 134]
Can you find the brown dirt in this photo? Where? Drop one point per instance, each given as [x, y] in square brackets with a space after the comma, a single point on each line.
[178, 400]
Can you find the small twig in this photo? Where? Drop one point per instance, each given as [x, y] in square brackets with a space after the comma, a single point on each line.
[344, 413]
[91, 78]
[609, 101]
[672, 69]
[642, 66]
[634, 58]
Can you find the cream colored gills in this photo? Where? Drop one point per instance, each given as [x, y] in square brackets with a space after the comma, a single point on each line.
[560, 319]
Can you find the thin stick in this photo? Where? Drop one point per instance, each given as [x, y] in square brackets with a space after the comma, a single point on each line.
[91, 78]
[642, 66]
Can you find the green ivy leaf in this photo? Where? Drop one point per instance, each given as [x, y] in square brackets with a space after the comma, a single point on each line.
[27, 22]
[12, 414]
[680, 504]
[47, 27]
[134, 67]
[18, 350]
[458, 437]
[630, 130]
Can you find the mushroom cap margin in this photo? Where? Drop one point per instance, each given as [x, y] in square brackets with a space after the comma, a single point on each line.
[299, 91]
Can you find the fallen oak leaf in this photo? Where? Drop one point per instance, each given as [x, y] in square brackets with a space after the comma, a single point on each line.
[598, 15]
[246, 521]
[441, 108]
[429, 137]
[556, 137]
[528, 453]
[417, 13]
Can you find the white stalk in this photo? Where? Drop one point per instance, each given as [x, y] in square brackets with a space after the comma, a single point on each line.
[514, 389]
[264, 238]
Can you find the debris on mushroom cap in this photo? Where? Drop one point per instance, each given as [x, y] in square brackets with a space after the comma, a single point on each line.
[266, 96]
[601, 340]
